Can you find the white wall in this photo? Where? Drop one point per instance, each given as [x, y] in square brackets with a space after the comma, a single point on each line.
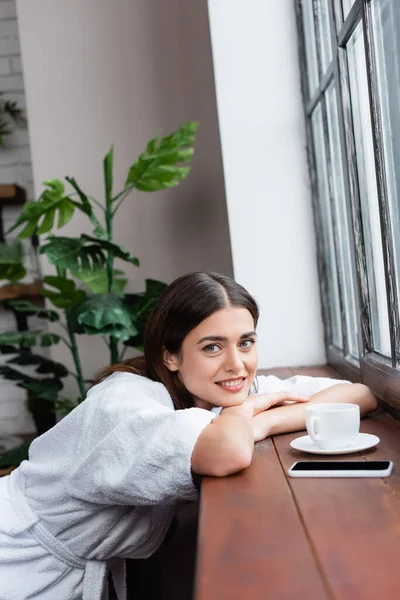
[268, 194]
[100, 72]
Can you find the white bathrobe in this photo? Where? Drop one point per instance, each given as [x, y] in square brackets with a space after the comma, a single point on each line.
[103, 484]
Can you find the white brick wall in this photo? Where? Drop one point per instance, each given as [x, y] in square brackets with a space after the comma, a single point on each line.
[15, 161]
[15, 167]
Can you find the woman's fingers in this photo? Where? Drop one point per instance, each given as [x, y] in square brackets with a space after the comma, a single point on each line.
[288, 402]
[290, 399]
[297, 399]
[263, 402]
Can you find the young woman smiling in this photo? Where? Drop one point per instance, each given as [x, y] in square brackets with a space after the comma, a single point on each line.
[105, 482]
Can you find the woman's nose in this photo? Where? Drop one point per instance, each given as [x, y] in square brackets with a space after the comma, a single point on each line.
[234, 361]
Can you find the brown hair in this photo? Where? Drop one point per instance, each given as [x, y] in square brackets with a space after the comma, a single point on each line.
[184, 304]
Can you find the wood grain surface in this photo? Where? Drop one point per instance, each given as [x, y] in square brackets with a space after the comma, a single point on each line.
[353, 526]
[251, 542]
[266, 536]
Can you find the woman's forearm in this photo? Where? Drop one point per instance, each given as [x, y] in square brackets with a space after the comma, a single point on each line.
[226, 445]
[285, 419]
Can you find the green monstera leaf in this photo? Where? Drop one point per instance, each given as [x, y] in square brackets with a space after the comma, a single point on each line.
[85, 206]
[140, 306]
[27, 339]
[40, 215]
[156, 168]
[97, 281]
[66, 296]
[44, 389]
[44, 366]
[14, 375]
[12, 273]
[31, 309]
[11, 267]
[84, 253]
[106, 315]
[73, 253]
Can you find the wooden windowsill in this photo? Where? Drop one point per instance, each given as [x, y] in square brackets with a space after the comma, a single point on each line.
[263, 534]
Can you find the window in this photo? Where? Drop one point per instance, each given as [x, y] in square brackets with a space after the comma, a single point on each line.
[350, 66]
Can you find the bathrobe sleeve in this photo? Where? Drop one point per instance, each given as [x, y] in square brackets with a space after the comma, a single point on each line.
[299, 384]
[133, 449]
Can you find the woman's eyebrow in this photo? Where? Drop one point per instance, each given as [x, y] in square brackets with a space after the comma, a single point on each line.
[248, 334]
[213, 338]
[220, 338]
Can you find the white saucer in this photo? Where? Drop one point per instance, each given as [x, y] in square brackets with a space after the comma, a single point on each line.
[362, 442]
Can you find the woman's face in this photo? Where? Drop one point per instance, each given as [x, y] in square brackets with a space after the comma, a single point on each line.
[218, 359]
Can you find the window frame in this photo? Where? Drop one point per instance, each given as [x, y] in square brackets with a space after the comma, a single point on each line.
[381, 374]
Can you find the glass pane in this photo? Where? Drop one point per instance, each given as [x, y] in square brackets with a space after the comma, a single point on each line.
[327, 231]
[368, 191]
[342, 220]
[311, 48]
[324, 34]
[386, 23]
[346, 5]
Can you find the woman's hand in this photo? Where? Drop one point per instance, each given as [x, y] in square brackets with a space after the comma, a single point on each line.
[293, 418]
[259, 403]
[262, 402]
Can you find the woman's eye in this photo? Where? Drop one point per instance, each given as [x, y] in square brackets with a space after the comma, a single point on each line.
[211, 348]
[247, 343]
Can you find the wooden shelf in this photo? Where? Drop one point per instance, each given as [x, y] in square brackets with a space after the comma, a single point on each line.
[20, 290]
[11, 194]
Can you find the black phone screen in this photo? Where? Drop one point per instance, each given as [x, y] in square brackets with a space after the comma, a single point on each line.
[336, 465]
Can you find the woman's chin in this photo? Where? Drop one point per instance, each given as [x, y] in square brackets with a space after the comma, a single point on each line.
[229, 399]
[222, 398]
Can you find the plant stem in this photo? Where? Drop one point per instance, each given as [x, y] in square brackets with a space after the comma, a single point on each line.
[74, 375]
[110, 260]
[123, 192]
[62, 339]
[90, 198]
[96, 202]
[77, 362]
[141, 311]
[110, 256]
[73, 346]
[121, 197]
[113, 350]
[122, 354]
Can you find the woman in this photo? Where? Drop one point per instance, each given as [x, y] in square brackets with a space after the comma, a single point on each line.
[105, 482]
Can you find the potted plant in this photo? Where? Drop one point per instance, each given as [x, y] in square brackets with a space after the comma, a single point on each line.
[86, 291]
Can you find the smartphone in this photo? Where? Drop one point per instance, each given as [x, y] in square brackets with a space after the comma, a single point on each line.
[341, 468]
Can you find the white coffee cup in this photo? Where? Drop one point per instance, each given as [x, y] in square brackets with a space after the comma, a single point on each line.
[333, 426]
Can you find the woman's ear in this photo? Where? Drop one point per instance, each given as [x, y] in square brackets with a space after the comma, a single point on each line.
[171, 361]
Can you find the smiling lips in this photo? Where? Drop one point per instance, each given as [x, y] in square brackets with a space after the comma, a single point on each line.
[232, 385]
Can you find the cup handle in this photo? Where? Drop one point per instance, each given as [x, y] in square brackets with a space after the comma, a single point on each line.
[312, 433]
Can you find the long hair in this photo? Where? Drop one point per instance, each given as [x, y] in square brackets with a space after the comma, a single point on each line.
[184, 304]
